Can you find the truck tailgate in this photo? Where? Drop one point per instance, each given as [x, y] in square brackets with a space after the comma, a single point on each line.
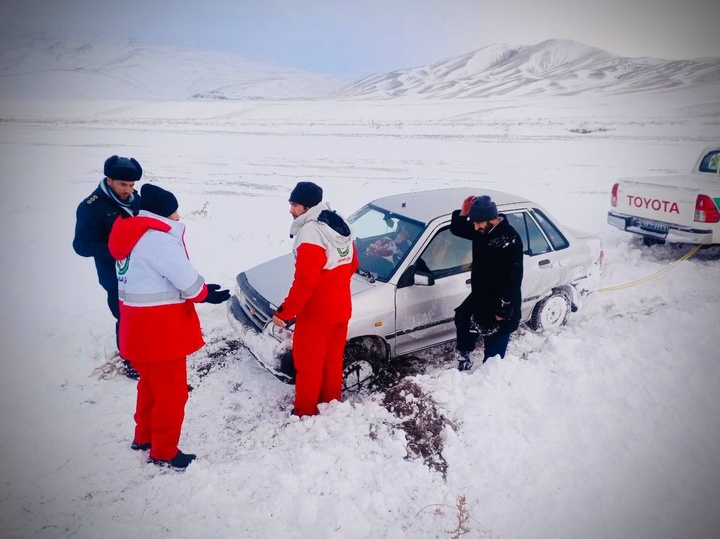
[658, 199]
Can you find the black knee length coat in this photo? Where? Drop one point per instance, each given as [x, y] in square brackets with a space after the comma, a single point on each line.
[497, 272]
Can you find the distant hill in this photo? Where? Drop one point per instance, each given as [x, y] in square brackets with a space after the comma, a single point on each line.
[40, 68]
[33, 66]
[553, 67]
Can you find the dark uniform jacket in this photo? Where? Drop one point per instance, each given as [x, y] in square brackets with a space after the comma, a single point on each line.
[497, 271]
[95, 217]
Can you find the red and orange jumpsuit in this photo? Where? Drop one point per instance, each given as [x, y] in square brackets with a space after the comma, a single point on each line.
[158, 289]
[319, 300]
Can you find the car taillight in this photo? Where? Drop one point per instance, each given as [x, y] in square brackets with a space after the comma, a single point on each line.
[706, 211]
[613, 195]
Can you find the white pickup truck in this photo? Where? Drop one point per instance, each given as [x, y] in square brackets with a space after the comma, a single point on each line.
[675, 209]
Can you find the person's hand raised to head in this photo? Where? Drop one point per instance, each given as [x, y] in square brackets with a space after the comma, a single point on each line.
[465, 208]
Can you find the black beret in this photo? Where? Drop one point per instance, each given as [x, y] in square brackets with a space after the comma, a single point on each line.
[122, 168]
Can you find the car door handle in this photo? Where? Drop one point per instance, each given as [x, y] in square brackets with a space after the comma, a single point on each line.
[544, 262]
[468, 282]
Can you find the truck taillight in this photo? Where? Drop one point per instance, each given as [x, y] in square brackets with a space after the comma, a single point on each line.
[706, 211]
[613, 195]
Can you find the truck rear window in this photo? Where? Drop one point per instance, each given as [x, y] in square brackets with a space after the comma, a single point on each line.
[709, 163]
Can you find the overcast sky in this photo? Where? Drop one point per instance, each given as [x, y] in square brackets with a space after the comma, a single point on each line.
[358, 37]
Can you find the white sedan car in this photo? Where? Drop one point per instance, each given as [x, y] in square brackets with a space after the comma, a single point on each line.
[413, 273]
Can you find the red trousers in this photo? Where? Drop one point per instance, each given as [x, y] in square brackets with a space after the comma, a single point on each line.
[318, 358]
[162, 392]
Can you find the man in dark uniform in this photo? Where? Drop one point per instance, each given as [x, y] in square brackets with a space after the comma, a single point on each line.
[493, 308]
[115, 196]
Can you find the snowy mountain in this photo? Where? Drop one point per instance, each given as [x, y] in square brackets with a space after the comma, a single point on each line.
[33, 66]
[553, 67]
[40, 68]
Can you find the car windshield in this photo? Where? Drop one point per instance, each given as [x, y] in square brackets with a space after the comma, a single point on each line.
[382, 239]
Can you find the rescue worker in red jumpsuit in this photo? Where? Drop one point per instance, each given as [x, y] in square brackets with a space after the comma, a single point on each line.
[158, 288]
[319, 298]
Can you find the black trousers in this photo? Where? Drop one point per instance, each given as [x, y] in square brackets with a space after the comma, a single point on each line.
[468, 333]
[113, 303]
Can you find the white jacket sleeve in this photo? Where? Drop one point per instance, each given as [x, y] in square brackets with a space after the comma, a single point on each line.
[172, 263]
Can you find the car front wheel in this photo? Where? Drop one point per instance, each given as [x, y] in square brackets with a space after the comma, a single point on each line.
[360, 367]
[550, 313]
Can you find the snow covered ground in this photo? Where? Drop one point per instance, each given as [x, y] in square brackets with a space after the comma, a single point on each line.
[609, 428]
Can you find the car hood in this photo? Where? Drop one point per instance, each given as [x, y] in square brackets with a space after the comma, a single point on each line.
[272, 279]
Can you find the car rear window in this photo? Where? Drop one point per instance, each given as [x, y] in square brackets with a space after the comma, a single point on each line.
[534, 243]
[551, 231]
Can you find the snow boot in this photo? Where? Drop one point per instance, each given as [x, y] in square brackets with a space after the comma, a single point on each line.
[178, 462]
[135, 446]
[464, 361]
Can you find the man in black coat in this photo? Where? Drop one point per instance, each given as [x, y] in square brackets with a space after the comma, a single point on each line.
[114, 197]
[493, 308]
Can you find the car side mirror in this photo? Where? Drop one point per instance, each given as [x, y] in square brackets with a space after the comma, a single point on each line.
[414, 276]
[422, 278]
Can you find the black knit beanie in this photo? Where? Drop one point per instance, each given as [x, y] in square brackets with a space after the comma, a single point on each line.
[482, 209]
[157, 200]
[306, 193]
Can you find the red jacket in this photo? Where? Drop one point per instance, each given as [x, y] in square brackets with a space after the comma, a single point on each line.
[325, 262]
[158, 289]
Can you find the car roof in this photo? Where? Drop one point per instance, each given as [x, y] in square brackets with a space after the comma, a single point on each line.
[424, 206]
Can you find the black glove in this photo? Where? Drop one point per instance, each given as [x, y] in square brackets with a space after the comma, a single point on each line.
[215, 295]
[484, 325]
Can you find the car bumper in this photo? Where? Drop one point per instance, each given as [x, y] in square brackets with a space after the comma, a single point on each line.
[271, 346]
[659, 230]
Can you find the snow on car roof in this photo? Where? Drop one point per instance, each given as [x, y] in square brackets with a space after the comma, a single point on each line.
[424, 206]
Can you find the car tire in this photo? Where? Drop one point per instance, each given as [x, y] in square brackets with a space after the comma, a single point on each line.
[360, 367]
[550, 313]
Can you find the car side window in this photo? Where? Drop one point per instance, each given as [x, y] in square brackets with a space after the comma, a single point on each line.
[551, 231]
[534, 243]
[446, 254]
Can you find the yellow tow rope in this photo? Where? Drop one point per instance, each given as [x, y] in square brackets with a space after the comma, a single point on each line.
[652, 275]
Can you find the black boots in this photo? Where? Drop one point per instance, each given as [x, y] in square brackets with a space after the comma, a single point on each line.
[464, 361]
[178, 462]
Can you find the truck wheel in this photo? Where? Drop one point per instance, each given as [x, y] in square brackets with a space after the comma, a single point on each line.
[551, 312]
[360, 367]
